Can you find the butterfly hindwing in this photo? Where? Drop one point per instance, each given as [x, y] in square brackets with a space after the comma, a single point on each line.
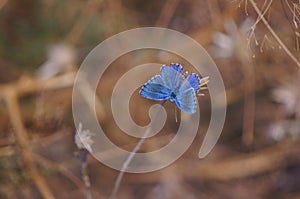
[186, 100]
[155, 89]
[186, 94]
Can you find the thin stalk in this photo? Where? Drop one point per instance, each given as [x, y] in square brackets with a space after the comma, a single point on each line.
[132, 154]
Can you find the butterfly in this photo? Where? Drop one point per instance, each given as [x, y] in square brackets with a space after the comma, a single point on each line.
[172, 85]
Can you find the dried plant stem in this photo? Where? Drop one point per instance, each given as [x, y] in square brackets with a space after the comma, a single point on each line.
[284, 47]
[23, 142]
[249, 105]
[249, 98]
[292, 10]
[132, 154]
[86, 180]
[265, 8]
[31, 85]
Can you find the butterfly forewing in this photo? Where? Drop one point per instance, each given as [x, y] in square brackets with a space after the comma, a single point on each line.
[171, 77]
[155, 89]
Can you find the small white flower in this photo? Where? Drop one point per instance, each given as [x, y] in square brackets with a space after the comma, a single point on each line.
[289, 96]
[83, 138]
[277, 131]
[233, 42]
[283, 129]
[60, 58]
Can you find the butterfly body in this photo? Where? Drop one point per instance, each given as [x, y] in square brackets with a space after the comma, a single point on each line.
[172, 97]
[172, 85]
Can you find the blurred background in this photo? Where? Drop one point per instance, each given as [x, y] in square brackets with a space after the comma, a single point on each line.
[255, 45]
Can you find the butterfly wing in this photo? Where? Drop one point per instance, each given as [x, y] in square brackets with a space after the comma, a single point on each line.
[194, 80]
[176, 67]
[155, 89]
[171, 76]
[186, 97]
[186, 100]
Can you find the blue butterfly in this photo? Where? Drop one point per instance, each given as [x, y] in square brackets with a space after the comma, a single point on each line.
[173, 85]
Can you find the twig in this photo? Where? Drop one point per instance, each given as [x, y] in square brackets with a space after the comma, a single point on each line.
[295, 17]
[249, 99]
[22, 139]
[284, 47]
[249, 105]
[31, 85]
[132, 154]
[263, 13]
[83, 150]
[86, 179]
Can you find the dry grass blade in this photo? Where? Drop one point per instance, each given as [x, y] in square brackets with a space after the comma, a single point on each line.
[284, 47]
